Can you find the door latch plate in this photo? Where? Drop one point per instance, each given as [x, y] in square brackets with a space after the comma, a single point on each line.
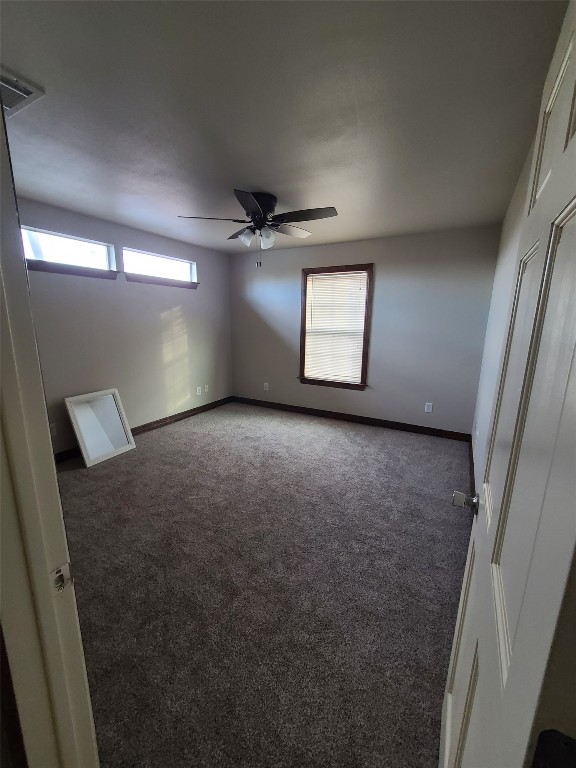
[60, 577]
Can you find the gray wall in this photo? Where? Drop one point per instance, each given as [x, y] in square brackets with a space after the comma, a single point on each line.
[431, 299]
[156, 344]
[498, 320]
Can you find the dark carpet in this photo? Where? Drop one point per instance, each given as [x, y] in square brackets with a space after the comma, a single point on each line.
[258, 588]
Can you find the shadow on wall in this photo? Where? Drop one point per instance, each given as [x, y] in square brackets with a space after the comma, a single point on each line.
[60, 427]
[274, 360]
[282, 295]
[266, 354]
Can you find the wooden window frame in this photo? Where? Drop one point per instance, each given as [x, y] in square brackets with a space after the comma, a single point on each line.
[369, 269]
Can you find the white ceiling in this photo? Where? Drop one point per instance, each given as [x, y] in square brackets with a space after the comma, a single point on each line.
[406, 116]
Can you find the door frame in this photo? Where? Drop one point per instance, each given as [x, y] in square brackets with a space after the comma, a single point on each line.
[40, 623]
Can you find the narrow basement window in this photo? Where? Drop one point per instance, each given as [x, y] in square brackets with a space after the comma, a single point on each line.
[52, 252]
[143, 267]
[335, 330]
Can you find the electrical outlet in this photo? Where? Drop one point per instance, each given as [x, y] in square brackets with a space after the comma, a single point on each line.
[198, 390]
[266, 386]
[428, 407]
[205, 387]
[53, 429]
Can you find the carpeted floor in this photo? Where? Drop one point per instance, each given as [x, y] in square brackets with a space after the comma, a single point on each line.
[264, 589]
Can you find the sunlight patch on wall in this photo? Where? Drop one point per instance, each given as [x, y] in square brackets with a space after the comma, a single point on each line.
[176, 361]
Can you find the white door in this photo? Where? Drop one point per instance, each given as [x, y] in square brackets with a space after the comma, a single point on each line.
[39, 622]
[524, 536]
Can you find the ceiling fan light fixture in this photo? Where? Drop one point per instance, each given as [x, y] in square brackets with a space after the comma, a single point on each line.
[259, 208]
[246, 237]
[267, 238]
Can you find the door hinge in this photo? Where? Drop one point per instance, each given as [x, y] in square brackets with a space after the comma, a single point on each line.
[60, 577]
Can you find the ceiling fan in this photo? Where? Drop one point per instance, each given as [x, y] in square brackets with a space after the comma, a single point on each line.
[260, 207]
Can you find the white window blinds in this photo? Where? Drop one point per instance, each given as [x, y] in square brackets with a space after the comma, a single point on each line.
[336, 304]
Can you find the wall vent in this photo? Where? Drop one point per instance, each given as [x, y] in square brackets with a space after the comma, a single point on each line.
[16, 93]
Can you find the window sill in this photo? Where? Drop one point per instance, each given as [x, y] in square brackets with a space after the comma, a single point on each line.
[133, 278]
[339, 384]
[70, 269]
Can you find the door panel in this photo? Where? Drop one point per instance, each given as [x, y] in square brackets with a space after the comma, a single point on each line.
[462, 667]
[462, 746]
[515, 542]
[555, 130]
[524, 539]
[530, 271]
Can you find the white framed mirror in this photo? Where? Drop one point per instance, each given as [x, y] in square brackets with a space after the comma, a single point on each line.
[100, 425]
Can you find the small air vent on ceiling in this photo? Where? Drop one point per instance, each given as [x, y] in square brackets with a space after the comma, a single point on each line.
[16, 93]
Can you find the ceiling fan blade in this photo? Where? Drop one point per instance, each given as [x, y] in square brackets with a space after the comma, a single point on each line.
[237, 234]
[249, 203]
[212, 218]
[288, 229]
[308, 215]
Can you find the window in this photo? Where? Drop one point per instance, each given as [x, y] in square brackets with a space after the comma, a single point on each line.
[49, 252]
[334, 338]
[152, 268]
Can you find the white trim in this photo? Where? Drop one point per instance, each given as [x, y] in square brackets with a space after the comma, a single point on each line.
[21, 634]
[71, 402]
[37, 503]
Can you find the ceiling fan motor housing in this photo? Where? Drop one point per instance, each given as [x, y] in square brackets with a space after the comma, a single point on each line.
[267, 203]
